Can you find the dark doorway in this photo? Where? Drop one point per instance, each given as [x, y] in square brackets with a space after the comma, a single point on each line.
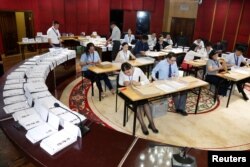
[8, 30]
[14, 25]
[117, 17]
[142, 22]
[182, 30]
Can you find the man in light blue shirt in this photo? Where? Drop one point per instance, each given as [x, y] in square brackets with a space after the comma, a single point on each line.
[166, 69]
[236, 59]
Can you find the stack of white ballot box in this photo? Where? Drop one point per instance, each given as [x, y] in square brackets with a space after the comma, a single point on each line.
[27, 99]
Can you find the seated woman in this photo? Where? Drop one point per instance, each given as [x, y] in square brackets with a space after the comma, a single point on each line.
[124, 54]
[130, 75]
[91, 58]
[161, 44]
[129, 37]
[212, 68]
[192, 52]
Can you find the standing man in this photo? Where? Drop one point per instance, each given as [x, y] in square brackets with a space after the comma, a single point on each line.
[54, 35]
[115, 37]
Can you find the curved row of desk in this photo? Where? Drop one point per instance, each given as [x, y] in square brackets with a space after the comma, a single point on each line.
[100, 147]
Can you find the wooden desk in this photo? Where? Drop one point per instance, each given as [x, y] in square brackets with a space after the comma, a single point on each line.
[143, 61]
[22, 45]
[234, 77]
[132, 98]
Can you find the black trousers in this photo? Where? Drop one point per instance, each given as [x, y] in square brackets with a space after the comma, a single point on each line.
[97, 78]
[221, 84]
[116, 48]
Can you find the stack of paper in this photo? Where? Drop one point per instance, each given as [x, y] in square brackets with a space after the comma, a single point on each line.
[13, 92]
[147, 90]
[165, 88]
[175, 84]
[23, 113]
[16, 75]
[61, 139]
[16, 107]
[35, 80]
[13, 86]
[31, 121]
[15, 81]
[35, 87]
[14, 99]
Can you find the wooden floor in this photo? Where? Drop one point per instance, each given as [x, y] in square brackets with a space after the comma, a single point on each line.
[221, 129]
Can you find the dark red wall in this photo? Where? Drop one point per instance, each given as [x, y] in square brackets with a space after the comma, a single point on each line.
[77, 16]
[229, 15]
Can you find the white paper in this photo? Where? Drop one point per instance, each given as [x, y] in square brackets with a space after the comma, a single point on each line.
[35, 80]
[14, 99]
[15, 81]
[42, 110]
[23, 113]
[175, 84]
[13, 92]
[40, 94]
[31, 121]
[13, 86]
[165, 88]
[16, 107]
[16, 75]
[35, 87]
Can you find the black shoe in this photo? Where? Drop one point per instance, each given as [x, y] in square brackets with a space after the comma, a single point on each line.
[145, 132]
[184, 113]
[178, 110]
[154, 130]
[245, 96]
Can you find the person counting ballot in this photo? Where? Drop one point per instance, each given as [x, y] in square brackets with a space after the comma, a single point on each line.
[91, 58]
[167, 69]
[134, 76]
[236, 59]
[124, 54]
[161, 44]
[212, 68]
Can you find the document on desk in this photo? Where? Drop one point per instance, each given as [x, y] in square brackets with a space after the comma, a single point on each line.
[175, 84]
[23, 113]
[147, 90]
[13, 86]
[31, 121]
[42, 94]
[145, 60]
[21, 69]
[35, 87]
[49, 102]
[14, 99]
[15, 81]
[13, 92]
[16, 75]
[15, 107]
[44, 130]
[241, 71]
[35, 80]
[60, 139]
[165, 88]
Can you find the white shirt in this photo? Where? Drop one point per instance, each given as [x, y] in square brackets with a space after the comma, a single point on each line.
[235, 60]
[54, 35]
[128, 39]
[190, 55]
[116, 34]
[137, 75]
[201, 44]
[151, 41]
[169, 41]
[122, 56]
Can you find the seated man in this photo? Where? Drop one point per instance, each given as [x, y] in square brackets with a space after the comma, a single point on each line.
[166, 69]
[152, 39]
[128, 38]
[168, 39]
[236, 59]
[141, 46]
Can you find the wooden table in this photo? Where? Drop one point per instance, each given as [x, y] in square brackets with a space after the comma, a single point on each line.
[234, 77]
[197, 64]
[22, 45]
[132, 98]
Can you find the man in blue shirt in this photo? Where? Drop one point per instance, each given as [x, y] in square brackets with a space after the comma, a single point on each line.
[236, 59]
[167, 69]
[141, 46]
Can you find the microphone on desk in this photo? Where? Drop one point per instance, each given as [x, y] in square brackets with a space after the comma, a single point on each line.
[84, 129]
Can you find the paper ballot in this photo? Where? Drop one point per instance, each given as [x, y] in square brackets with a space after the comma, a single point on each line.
[14, 99]
[23, 113]
[165, 87]
[44, 130]
[35, 87]
[16, 75]
[31, 121]
[15, 107]
[175, 84]
[15, 81]
[61, 139]
[13, 86]
[13, 92]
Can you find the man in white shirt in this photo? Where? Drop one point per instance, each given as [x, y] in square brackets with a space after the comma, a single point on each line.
[236, 59]
[54, 35]
[168, 39]
[115, 37]
[152, 40]
[199, 43]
